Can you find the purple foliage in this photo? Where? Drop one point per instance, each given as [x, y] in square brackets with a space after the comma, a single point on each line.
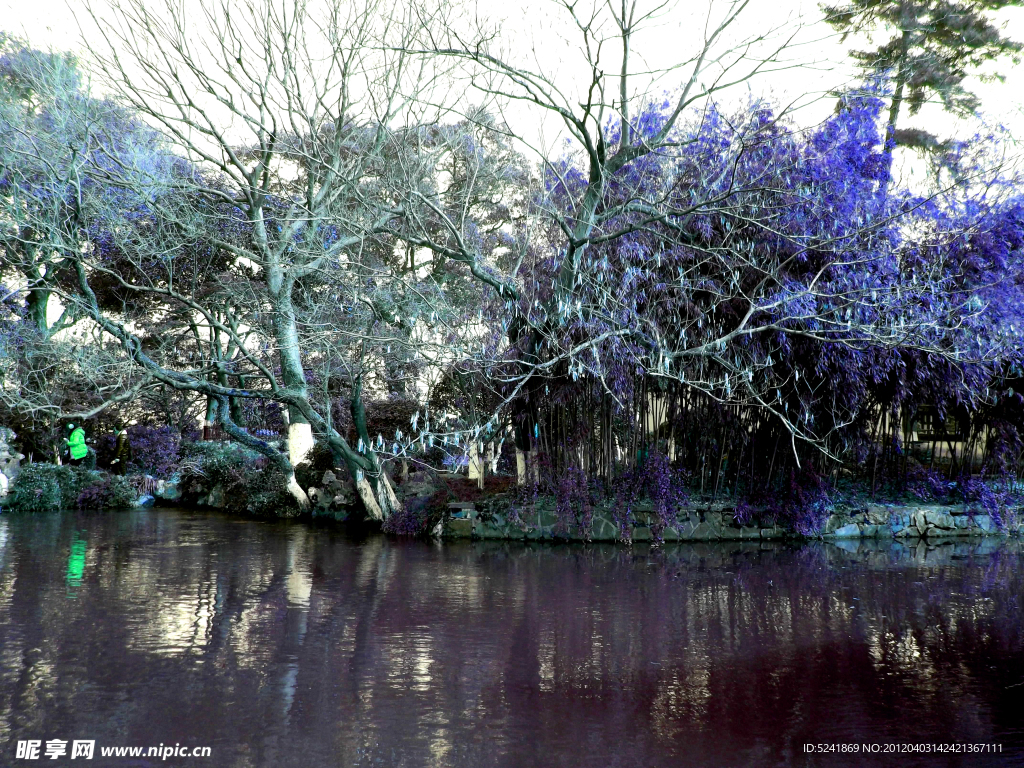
[574, 505]
[802, 503]
[655, 479]
[409, 520]
[155, 450]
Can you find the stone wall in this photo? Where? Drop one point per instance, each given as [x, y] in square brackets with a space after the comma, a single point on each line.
[716, 522]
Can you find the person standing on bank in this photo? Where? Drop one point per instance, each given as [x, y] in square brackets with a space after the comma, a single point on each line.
[77, 448]
[122, 453]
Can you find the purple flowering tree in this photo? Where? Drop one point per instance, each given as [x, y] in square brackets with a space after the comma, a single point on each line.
[678, 250]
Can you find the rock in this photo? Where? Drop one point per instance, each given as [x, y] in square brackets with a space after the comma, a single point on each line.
[835, 522]
[603, 529]
[537, 534]
[771, 533]
[750, 532]
[848, 531]
[704, 532]
[411, 489]
[940, 519]
[145, 500]
[545, 518]
[217, 499]
[167, 490]
[489, 531]
[985, 523]
[10, 460]
[877, 514]
[920, 521]
[340, 494]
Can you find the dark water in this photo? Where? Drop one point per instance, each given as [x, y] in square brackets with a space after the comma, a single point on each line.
[288, 645]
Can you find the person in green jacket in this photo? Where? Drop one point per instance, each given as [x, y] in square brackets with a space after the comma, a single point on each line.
[76, 444]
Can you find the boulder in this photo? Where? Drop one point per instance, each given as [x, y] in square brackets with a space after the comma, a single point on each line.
[217, 498]
[332, 485]
[985, 523]
[835, 522]
[145, 500]
[877, 514]
[490, 530]
[167, 490]
[848, 531]
[940, 519]
[902, 529]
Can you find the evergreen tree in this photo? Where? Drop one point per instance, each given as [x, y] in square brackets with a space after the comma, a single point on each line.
[932, 47]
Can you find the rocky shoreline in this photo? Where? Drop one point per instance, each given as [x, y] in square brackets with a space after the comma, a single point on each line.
[716, 522]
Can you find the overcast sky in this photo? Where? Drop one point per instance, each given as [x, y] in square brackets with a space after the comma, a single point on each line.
[537, 26]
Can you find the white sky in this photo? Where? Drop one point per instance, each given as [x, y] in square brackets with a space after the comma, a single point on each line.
[536, 28]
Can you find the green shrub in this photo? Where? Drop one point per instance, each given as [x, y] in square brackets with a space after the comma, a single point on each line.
[311, 471]
[44, 487]
[107, 492]
[250, 482]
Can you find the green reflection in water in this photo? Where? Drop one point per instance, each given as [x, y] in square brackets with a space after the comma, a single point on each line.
[76, 562]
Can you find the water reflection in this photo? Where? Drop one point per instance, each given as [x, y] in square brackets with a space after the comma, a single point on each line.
[287, 645]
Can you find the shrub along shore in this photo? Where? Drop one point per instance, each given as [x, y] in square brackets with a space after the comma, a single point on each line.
[43, 487]
[639, 507]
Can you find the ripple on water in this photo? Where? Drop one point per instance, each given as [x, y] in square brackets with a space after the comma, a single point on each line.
[281, 644]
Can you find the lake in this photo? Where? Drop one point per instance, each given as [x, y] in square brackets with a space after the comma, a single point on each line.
[289, 644]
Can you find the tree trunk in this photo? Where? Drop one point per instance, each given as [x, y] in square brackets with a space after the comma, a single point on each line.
[300, 433]
[279, 459]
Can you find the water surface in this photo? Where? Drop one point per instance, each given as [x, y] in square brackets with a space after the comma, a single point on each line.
[284, 644]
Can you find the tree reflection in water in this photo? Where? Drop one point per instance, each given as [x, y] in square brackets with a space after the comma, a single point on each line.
[284, 644]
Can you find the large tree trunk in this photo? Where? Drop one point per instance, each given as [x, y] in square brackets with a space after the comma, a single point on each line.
[286, 334]
[300, 441]
[378, 497]
[279, 459]
[371, 481]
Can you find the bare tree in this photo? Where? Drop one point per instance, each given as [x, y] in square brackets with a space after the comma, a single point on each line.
[256, 233]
